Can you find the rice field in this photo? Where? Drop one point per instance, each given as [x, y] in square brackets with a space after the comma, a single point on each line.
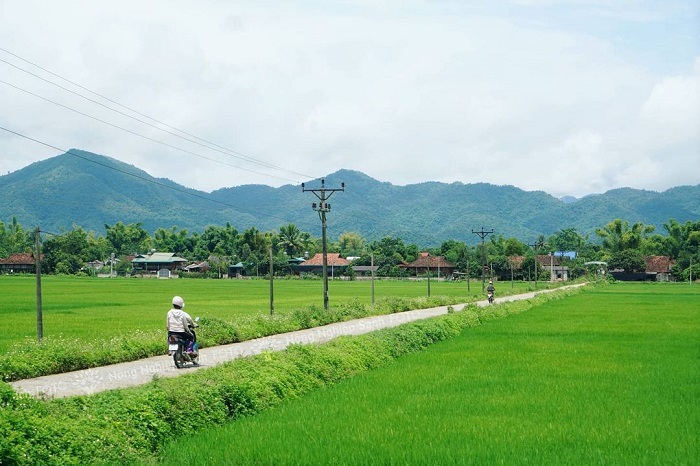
[608, 376]
[86, 309]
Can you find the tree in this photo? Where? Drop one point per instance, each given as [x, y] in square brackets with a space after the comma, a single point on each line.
[66, 254]
[618, 235]
[567, 239]
[293, 241]
[128, 239]
[253, 249]
[388, 253]
[177, 242]
[221, 241]
[629, 260]
[350, 244]
[14, 239]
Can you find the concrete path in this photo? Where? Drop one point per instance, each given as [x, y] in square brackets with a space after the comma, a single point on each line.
[130, 374]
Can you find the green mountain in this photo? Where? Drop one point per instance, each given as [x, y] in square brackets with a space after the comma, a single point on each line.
[88, 190]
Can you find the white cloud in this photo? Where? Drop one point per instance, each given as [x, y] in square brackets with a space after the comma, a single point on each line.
[405, 92]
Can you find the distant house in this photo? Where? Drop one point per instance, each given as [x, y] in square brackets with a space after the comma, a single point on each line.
[96, 264]
[197, 267]
[435, 264]
[21, 262]
[554, 264]
[151, 263]
[315, 264]
[236, 270]
[658, 267]
[365, 270]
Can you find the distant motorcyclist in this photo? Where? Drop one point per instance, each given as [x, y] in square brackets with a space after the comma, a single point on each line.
[178, 322]
[491, 291]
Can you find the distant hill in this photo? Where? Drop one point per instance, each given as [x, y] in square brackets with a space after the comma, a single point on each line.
[568, 199]
[90, 190]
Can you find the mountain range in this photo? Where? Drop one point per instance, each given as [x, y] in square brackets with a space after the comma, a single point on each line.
[83, 189]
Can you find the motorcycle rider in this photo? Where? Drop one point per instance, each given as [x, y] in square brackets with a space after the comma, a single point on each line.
[491, 289]
[178, 322]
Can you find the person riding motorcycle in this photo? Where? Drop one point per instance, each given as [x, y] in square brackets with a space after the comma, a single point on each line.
[178, 322]
[490, 289]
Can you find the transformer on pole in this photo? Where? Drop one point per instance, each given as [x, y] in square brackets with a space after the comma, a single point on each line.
[323, 194]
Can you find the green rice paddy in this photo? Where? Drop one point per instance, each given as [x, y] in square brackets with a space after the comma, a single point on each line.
[100, 308]
[608, 376]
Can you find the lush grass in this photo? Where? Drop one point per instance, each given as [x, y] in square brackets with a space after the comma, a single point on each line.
[129, 425]
[608, 376]
[94, 308]
[91, 322]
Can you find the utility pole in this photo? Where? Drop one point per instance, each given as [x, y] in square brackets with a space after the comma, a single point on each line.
[272, 280]
[37, 266]
[429, 261]
[372, 269]
[323, 194]
[536, 246]
[483, 234]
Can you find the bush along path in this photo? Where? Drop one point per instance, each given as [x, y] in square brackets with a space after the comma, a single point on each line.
[131, 425]
[134, 373]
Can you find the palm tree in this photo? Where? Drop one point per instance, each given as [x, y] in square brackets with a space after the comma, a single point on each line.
[292, 240]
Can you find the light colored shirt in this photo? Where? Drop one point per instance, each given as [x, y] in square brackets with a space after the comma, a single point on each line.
[178, 320]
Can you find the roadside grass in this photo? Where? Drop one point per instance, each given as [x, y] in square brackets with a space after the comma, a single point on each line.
[89, 322]
[608, 376]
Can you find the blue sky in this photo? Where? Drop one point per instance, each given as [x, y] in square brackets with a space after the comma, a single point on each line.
[571, 97]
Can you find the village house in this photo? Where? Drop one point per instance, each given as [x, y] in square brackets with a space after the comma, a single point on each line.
[315, 264]
[156, 261]
[19, 262]
[434, 264]
[550, 263]
[658, 268]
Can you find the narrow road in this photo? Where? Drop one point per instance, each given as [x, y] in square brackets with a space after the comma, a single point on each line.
[130, 374]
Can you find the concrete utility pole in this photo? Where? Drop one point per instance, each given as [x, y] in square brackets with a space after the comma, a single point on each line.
[323, 194]
[37, 266]
[272, 280]
[536, 246]
[483, 234]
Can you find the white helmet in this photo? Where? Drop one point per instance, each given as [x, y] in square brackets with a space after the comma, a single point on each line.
[179, 302]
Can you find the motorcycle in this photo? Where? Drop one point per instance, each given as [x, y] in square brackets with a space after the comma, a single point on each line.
[184, 351]
[490, 297]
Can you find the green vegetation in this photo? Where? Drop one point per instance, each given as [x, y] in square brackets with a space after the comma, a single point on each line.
[90, 322]
[608, 376]
[125, 426]
[52, 194]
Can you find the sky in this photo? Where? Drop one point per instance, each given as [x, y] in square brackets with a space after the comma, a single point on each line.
[570, 97]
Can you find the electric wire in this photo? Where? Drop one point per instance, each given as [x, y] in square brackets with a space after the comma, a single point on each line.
[139, 134]
[148, 180]
[196, 140]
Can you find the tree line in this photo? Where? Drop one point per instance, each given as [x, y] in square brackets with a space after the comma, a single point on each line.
[620, 244]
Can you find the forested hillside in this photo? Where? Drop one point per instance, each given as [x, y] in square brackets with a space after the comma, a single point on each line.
[88, 190]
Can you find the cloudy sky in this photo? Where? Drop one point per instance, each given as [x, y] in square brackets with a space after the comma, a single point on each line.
[566, 96]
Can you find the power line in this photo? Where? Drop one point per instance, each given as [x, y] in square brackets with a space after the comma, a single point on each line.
[189, 193]
[208, 144]
[138, 134]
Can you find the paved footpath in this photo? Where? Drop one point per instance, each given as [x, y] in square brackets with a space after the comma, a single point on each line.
[130, 374]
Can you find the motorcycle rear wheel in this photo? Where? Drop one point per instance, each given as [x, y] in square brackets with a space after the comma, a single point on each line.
[179, 359]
